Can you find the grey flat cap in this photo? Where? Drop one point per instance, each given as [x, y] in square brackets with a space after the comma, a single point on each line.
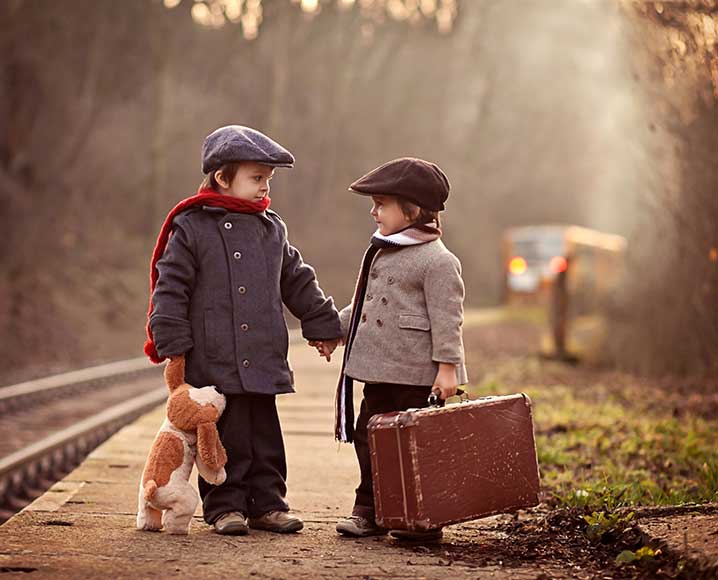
[235, 143]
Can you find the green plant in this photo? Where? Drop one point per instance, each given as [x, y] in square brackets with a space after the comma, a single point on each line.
[603, 525]
[709, 478]
[640, 556]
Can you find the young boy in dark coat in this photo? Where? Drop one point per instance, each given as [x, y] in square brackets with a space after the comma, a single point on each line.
[218, 285]
[403, 329]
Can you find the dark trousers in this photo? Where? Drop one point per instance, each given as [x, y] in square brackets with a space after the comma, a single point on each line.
[256, 465]
[379, 398]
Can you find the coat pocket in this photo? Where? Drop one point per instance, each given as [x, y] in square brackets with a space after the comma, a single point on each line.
[414, 322]
[210, 335]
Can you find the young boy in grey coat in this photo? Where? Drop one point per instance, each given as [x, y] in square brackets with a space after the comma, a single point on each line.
[403, 329]
[219, 282]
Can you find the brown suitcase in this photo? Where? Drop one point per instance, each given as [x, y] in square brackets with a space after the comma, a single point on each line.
[443, 465]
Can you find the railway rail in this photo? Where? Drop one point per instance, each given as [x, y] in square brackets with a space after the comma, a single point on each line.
[19, 396]
[26, 472]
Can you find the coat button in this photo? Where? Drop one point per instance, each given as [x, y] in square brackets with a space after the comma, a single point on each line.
[369, 297]
[245, 363]
[379, 322]
[390, 280]
[363, 317]
[227, 225]
[237, 255]
[242, 290]
[245, 327]
[384, 300]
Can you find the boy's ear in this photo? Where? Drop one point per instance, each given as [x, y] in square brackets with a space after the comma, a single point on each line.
[221, 179]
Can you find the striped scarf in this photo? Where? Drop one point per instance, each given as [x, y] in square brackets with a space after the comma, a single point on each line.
[344, 402]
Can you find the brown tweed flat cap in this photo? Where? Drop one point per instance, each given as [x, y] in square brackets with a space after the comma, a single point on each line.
[416, 180]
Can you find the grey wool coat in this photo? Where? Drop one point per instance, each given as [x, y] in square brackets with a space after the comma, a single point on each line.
[222, 281]
[411, 318]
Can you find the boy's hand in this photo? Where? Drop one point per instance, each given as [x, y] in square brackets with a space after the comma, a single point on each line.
[326, 347]
[444, 391]
[445, 384]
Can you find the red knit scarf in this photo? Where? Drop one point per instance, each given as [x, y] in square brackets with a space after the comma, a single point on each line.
[207, 197]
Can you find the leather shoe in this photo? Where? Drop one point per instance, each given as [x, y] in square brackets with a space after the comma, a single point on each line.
[277, 521]
[231, 524]
[359, 527]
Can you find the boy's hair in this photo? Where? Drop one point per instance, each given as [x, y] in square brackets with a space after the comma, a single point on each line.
[228, 171]
[425, 215]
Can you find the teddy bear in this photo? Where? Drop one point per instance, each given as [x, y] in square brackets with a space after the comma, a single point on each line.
[187, 435]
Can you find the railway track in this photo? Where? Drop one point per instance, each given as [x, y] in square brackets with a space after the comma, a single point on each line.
[48, 426]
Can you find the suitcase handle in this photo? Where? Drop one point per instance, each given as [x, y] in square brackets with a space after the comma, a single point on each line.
[433, 399]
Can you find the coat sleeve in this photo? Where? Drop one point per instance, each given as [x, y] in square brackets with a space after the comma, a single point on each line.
[170, 301]
[444, 294]
[305, 299]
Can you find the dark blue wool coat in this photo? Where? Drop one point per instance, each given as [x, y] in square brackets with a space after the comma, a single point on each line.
[222, 281]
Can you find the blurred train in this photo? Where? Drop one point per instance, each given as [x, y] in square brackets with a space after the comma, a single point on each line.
[569, 270]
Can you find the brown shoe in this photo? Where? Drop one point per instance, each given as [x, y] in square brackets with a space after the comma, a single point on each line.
[231, 524]
[276, 521]
[418, 536]
[359, 527]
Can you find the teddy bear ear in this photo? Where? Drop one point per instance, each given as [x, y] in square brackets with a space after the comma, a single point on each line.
[210, 447]
[221, 453]
[174, 373]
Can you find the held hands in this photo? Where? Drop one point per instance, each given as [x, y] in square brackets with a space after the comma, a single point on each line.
[445, 384]
[326, 347]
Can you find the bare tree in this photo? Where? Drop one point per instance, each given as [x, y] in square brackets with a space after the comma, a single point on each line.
[667, 316]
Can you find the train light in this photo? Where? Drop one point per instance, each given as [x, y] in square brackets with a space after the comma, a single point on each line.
[517, 266]
[558, 264]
